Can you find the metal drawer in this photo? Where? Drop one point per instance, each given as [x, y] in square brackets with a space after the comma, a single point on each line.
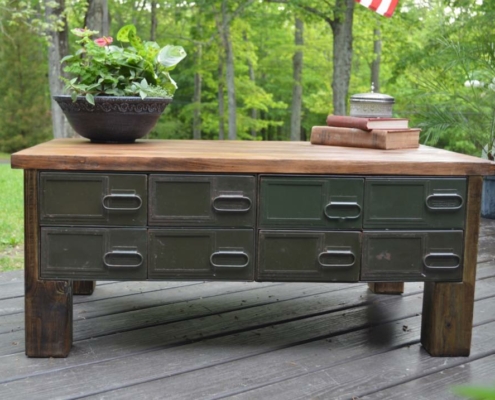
[412, 256]
[309, 256]
[202, 200]
[219, 254]
[415, 203]
[93, 253]
[308, 202]
[93, 199]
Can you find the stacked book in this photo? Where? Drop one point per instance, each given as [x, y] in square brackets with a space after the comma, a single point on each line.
[375, 133]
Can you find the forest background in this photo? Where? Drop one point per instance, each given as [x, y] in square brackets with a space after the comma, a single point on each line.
[268, 69]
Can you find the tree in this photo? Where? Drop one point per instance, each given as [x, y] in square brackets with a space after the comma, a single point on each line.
[97, 17]
[59, 48]
[297, 66]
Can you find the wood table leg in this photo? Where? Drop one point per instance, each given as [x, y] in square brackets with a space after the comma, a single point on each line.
[386, 287]
[447, 319]
[83, 287]
[48, 304]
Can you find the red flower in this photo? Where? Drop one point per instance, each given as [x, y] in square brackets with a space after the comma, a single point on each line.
[104, 41]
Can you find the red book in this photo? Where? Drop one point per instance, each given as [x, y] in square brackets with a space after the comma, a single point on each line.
[367, 124]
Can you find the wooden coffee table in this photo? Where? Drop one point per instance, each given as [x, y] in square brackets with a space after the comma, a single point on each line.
[255, 211]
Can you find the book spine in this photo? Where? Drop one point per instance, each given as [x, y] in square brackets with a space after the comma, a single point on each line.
[344, 121]
[348, 137]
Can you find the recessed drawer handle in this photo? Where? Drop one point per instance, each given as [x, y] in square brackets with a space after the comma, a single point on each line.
[343, 204]
[441, 255]
[337, 253]
[122, 196]
[123, 253]
[443, 197]
[234, 198]
[229, 253]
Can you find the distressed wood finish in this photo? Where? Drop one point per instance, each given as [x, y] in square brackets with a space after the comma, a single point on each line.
[245, 157]
[48, 304]
[84, 288]
[386, 287]
[448, 307]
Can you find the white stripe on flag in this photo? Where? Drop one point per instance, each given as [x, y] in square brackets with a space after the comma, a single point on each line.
[383, 7]
[366, 3]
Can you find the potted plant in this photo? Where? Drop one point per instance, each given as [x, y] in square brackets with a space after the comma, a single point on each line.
[117, 93]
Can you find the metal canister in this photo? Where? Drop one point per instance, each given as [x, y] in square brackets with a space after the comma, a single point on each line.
[371, 105]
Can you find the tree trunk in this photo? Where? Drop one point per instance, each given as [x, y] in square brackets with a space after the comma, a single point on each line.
[154, 21]
[221, 103]
[229, 74]
[97, 17]
[342, 53]
[59, 48]
[197, 95]
[297, 66]
[375, 65]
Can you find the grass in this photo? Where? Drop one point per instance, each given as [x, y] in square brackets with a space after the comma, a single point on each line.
[4, 156]
[11, 219]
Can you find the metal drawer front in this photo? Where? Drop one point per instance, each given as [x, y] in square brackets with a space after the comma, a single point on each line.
[415, 203]
[330, 203]
[412, 256]
[202, 200]
[309, 256]
[218, 254]
[93, 253]
[93, 199]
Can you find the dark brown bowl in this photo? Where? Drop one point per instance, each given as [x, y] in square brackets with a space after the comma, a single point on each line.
[112, 119]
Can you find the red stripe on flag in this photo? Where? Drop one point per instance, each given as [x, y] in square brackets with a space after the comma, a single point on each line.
[375, 4]
[391, 8]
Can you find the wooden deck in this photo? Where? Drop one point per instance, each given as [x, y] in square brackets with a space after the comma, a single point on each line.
[214, 340]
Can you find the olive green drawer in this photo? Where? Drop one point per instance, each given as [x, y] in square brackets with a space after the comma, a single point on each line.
[202, 200]
[421, 203]
[398, 256]
[217, 254]
[308, 202]
[93, 253]
[309, 256]
[93, 199]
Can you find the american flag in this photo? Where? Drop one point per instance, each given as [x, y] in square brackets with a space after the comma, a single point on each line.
[382, 7]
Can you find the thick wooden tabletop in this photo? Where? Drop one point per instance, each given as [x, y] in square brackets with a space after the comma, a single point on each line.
[245, 157]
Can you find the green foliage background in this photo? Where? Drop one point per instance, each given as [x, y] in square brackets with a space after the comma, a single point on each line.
[428, 53]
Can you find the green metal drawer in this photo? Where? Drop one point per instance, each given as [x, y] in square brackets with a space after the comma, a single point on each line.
[412, 256]
[219, 254]
[202, 200]
[93, 199]
[415, 203]
[309, 256]
[307, 202]
[93, 253]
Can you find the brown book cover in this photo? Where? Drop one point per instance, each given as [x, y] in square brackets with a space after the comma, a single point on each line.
[345, 121]
[375, 139]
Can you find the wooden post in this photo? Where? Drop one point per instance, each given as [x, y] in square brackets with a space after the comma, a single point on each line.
[48, 304]
[448, 307]
[386, 287]
[83, 287]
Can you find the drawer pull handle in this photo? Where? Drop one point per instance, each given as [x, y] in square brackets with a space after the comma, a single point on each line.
[229, 253]
[122, 196]
[133, 253]
[443, 197]
[441, 255]
[343, 204]
[234, 198]
[337, 253]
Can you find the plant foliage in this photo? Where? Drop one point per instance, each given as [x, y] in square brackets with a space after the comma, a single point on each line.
[141, 68]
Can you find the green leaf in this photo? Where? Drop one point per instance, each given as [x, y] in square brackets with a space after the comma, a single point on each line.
[170, 56]
[123, 33]
[90, 98]
[142, 94]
